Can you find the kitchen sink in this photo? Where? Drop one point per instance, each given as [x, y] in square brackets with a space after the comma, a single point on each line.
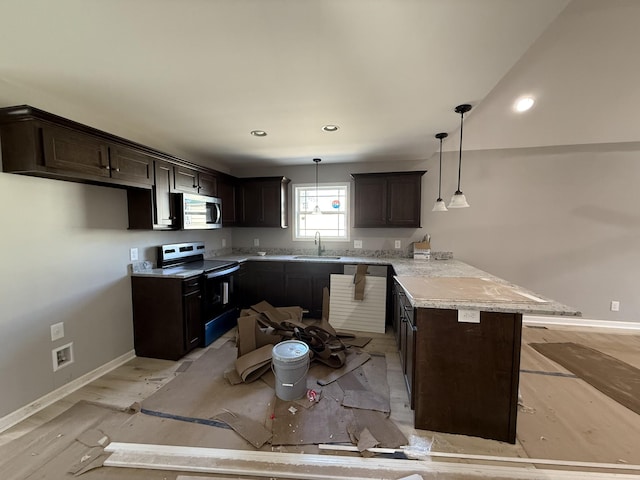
[319, 257]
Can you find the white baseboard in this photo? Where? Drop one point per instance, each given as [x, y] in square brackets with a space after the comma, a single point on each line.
[579, 322]
[17, 416]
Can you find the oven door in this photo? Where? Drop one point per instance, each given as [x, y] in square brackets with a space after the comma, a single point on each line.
[219, 292]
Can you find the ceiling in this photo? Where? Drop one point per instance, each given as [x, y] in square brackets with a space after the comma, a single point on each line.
[194, 77]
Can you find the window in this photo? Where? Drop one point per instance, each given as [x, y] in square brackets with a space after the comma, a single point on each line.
[330, 218]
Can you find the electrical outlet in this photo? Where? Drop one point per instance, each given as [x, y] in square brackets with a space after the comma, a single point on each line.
[62, 356]
[224, 242]
[256, 242]
[357, 244]
[133, 254]
[398, 244]
[615, 306]
[57, 331]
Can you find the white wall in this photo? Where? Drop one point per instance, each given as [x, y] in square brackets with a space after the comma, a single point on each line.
[64, 250]
[563, 221]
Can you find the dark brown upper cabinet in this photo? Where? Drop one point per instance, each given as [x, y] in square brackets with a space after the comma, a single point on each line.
[41, 144]
[227, 191]
[190, 180]
[263, 202]
[383, 200]
[154, 209]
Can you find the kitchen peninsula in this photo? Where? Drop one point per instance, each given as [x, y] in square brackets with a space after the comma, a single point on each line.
[458, 331]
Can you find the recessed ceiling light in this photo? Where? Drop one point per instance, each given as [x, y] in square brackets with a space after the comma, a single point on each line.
[523, 104]
[258, 133]
[330, 128]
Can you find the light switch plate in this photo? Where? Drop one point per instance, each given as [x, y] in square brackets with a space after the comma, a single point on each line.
[57, 331]
[224, 242]
[133, 254]
[357, 244]
[256, 242]
[398, 244]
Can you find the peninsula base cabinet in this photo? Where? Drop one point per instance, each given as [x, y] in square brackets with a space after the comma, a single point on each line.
[462, 378]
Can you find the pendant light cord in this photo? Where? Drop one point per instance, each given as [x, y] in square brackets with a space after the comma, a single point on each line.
[440, 175]
[460, 155]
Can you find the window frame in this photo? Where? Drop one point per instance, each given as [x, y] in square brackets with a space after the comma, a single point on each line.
[347, 211]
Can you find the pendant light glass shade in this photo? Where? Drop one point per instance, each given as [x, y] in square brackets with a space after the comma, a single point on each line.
[458, 200]
[439, 206]
[316, 209]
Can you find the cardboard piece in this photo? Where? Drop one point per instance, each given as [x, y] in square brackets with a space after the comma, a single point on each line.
[353, 361]
[252, 431]
[383, 429]
[326, 422]
[279, 314]
[251, 366]
[359, 281]
[366, 440]
[366, 400]
[251, 336]
[615, 378]
[202, 391]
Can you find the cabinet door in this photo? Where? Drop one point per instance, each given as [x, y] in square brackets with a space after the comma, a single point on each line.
[370, 202]
[404, 200]
[131, 165]
[410, 347]
[263, 202]
[193, 325]
[74, 152]
[264, 281]
[207, 184]
[299, 289]
[164, 214]
[227, 193]
[186, 180]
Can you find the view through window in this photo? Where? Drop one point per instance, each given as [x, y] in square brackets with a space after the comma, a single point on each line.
[323, 210]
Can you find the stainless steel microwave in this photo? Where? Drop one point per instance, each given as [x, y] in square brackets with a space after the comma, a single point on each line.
[199, 211]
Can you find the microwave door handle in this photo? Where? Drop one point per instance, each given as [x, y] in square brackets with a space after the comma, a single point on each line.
[218, 213]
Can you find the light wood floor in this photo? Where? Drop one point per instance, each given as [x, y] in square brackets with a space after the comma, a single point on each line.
[560, 417]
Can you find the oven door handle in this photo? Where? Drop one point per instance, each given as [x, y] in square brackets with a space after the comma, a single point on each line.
[220, 273]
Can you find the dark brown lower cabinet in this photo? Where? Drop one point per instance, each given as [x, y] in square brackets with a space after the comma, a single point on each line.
[461, 378]
[284, 284]
[167, 316]
[304, 283]
[467, 374]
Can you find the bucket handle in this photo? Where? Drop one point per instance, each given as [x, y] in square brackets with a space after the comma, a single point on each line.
[294, 383]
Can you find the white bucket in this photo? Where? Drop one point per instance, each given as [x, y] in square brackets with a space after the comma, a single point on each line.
[290, 364]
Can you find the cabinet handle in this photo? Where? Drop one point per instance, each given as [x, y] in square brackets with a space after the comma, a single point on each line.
[106, 167]
[117, 169]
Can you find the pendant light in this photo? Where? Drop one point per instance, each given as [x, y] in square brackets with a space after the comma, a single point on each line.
[458, 200]
[316, 209]
[439, 206]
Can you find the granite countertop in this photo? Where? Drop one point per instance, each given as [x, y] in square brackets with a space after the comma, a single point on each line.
[419, 280]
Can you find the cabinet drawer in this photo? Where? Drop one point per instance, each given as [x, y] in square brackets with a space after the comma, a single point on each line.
[191, 285]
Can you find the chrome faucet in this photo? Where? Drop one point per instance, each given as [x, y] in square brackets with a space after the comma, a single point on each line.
[317, 242]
